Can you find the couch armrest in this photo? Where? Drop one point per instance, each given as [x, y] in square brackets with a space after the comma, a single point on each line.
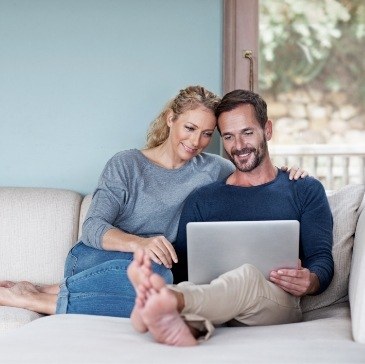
[357, 279]
[38, 227]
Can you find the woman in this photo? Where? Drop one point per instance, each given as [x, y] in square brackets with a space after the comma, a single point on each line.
[137, 204]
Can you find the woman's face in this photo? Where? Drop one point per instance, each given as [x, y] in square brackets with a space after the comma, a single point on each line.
[191, 132]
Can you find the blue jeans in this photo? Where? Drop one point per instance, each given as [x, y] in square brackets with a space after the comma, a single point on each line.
[96, 282]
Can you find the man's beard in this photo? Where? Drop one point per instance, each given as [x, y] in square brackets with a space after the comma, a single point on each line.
[255, 159]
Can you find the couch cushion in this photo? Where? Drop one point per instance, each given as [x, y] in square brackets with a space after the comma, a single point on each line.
[84, 209]
[12, 317]
[344, 205]
[38, 226]
[99, 339]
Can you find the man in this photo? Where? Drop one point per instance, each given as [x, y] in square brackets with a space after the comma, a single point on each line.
[257, 190]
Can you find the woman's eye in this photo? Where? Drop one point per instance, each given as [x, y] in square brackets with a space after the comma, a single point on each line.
[189, 128]
[208, 134]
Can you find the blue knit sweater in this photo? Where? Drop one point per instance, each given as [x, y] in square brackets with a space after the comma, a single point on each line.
[281, 199]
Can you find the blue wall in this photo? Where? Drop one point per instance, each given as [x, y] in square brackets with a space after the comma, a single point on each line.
[82, 79]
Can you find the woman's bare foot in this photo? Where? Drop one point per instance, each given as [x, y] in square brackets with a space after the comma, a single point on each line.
[138, 272]
[161, 317]
[47, 288]
[27, 295]
[6, 284]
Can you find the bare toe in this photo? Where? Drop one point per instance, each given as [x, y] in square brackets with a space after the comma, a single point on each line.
[139, 269]
[7, 284]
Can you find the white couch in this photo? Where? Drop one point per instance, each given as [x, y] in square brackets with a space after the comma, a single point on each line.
[39, 226]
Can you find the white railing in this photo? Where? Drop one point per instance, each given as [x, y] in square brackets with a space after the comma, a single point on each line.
[333, 165]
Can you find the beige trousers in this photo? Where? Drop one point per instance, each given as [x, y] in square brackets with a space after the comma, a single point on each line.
[241, 297]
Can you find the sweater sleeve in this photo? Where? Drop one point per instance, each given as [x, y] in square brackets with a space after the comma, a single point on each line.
[107, 203]
[316, 232]
[226, 169]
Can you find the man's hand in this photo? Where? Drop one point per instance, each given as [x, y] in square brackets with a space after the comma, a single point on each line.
[298, 282]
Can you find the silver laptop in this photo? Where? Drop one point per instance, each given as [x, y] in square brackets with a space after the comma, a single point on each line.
[217, 247]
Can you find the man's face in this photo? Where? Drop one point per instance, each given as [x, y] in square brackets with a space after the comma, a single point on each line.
[243, 138]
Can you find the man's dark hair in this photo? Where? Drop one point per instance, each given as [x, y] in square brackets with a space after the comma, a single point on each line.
[236, 98]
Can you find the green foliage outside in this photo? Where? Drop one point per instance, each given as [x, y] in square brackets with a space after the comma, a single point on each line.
[313, 43]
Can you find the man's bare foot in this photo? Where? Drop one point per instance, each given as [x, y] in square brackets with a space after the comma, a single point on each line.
[27, 295]
[161, 317]
[140, 268]
[138, 273]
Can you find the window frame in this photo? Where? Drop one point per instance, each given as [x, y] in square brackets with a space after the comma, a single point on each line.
[240, 33]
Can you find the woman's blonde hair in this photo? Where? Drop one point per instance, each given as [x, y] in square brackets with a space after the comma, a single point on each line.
[187, 99]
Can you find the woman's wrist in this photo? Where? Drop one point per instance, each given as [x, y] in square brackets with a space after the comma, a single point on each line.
[118, 240]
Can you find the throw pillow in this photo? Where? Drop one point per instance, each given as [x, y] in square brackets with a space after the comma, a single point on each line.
[344, 205]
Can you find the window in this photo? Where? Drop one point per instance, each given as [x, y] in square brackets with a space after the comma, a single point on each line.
[307, 63]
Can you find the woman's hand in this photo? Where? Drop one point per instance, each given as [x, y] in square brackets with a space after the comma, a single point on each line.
[295, 172]
[159, 249]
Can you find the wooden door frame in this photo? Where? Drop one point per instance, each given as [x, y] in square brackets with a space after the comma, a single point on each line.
[240, 33]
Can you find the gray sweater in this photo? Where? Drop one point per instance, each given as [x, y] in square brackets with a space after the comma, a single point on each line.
[144, 199]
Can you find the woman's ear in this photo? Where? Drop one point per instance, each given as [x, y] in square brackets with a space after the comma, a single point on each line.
[169, 118]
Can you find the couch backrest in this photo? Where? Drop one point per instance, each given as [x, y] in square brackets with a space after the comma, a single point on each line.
[38, 226]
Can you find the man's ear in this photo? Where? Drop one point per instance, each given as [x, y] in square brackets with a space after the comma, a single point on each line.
[268, 130]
